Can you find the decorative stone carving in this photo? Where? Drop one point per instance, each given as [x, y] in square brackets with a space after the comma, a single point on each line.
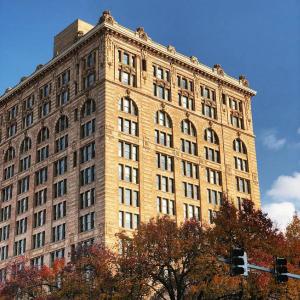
[171, 49]
[194, 59]
[210, 124]
[163, 106]
[107, 18]
[187, 114]
[109, 47]
[23, 78]
[217, 68]
[128, 92]
[38, 67]
[243, 81]
[173, 75]
[141, 33]
[8, 89]
[238, 133]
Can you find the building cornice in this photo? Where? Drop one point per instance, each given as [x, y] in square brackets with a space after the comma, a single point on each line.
[141, 38]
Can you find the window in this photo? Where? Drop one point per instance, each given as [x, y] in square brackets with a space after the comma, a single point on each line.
[61, 166]
[128, 106]
[87, 222]
[187, 127]
[60, 188]
[211, 136]
[87, 128]
[163, 119]
[239, 146]
[12, 113]
[3, 273]
[165, 184]
[243, 185]
[57, 254]
[37, 262]
[87, 153]
[25, 145]
[21, 226]
[191, 190]
[5, 213]
[59, 232]
[20, 247]
[4, 252]
[208, 93]
[43, 135]
[23, 185]
[40, 197]
[161, 73]
[185, 84]
[213, 176]
[128, 150]
[128, 220]
[4, 233]
[209, 110]
[38, 240]
[9, 172]
[7, 193]
[89, 80]
[87, 175]
[45, 90]
[88, 108]
[22, 205]
[164, 162]
[212, 154]
[189, 147]
[129, 197]
[63, 97]
[61, 143]
[59, 210]
[41, 176]
[186, 102]
[165, 206]
[190, 169]
[127, 74]
[128, 126]
[128, 173]
[90, 60]
[235, 104]
[27, 120]
[241, 164]
[161, 91]
[237, 121]
[11, 130]
[62, 124]
[87, 198]
[191, 212]
[211, 215]
[44, 109]
[42, 153]
[10, 154]
[214, 197]
[63, 79]
[39, 218]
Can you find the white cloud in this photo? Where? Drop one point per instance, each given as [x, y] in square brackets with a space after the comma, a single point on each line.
[280, 213]
[286, 188]
[271, 141]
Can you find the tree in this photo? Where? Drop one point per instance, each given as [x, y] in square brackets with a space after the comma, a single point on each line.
[167, 260]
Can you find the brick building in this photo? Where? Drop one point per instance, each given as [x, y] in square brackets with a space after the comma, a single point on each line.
[114, 130]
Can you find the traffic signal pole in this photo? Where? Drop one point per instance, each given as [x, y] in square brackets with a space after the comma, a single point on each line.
[263, 269]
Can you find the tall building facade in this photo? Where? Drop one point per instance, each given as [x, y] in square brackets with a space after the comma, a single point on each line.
[114, 130]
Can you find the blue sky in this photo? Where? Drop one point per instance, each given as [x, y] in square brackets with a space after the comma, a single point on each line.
[260, 39]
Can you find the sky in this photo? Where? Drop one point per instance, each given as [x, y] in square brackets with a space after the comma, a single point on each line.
[260, 39]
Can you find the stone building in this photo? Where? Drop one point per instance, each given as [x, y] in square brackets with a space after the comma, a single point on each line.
[114, 130]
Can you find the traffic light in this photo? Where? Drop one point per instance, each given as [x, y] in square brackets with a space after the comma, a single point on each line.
[238, 262]
[280, 269]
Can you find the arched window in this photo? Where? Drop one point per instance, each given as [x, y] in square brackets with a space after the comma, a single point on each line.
[163, 136]
[9, 154]
[88, 108]
[43, 135]
[211, 136]
[127, 105]
[62, 124]
[25, 145]
[187, 127]
[163, 119]
[239, 146]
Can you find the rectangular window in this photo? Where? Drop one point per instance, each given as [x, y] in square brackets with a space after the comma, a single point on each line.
[186, 102]
[22, 205]
[214, 197]
[241, 164]
[191, 190]
[64, 78]
[59, 232]
[87, 175]
[212, 154]
[128, 197]
[164, 162]
[39, 218]
[60, 166]
[87, 222]
[6, 193]
[4, 233]
[128, 126]
[37, 262]
[45, 90]
[128, 150]
[190, 169]
[87, 128]
[57, 254]
[21, 226]
[42, 153]
[20, 247]
[60, 188]
[87, 153]
[87, 198]
[165, 206]
[213, 176]
[165, 184]
[41, 176]
[128, 220]
[23, 185]
[5, 213]
[61, 143]
[189, 147]
[59, 210]
[4, 252]
[25, 163]
[243, 185]
[11, 130]
[27, 120]
[128, 173]
[163, 138]
[9, 172]
[12, 113]
[63, 97]
[191, 212]
[38, 240]
[45, 109]
[40, 197]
